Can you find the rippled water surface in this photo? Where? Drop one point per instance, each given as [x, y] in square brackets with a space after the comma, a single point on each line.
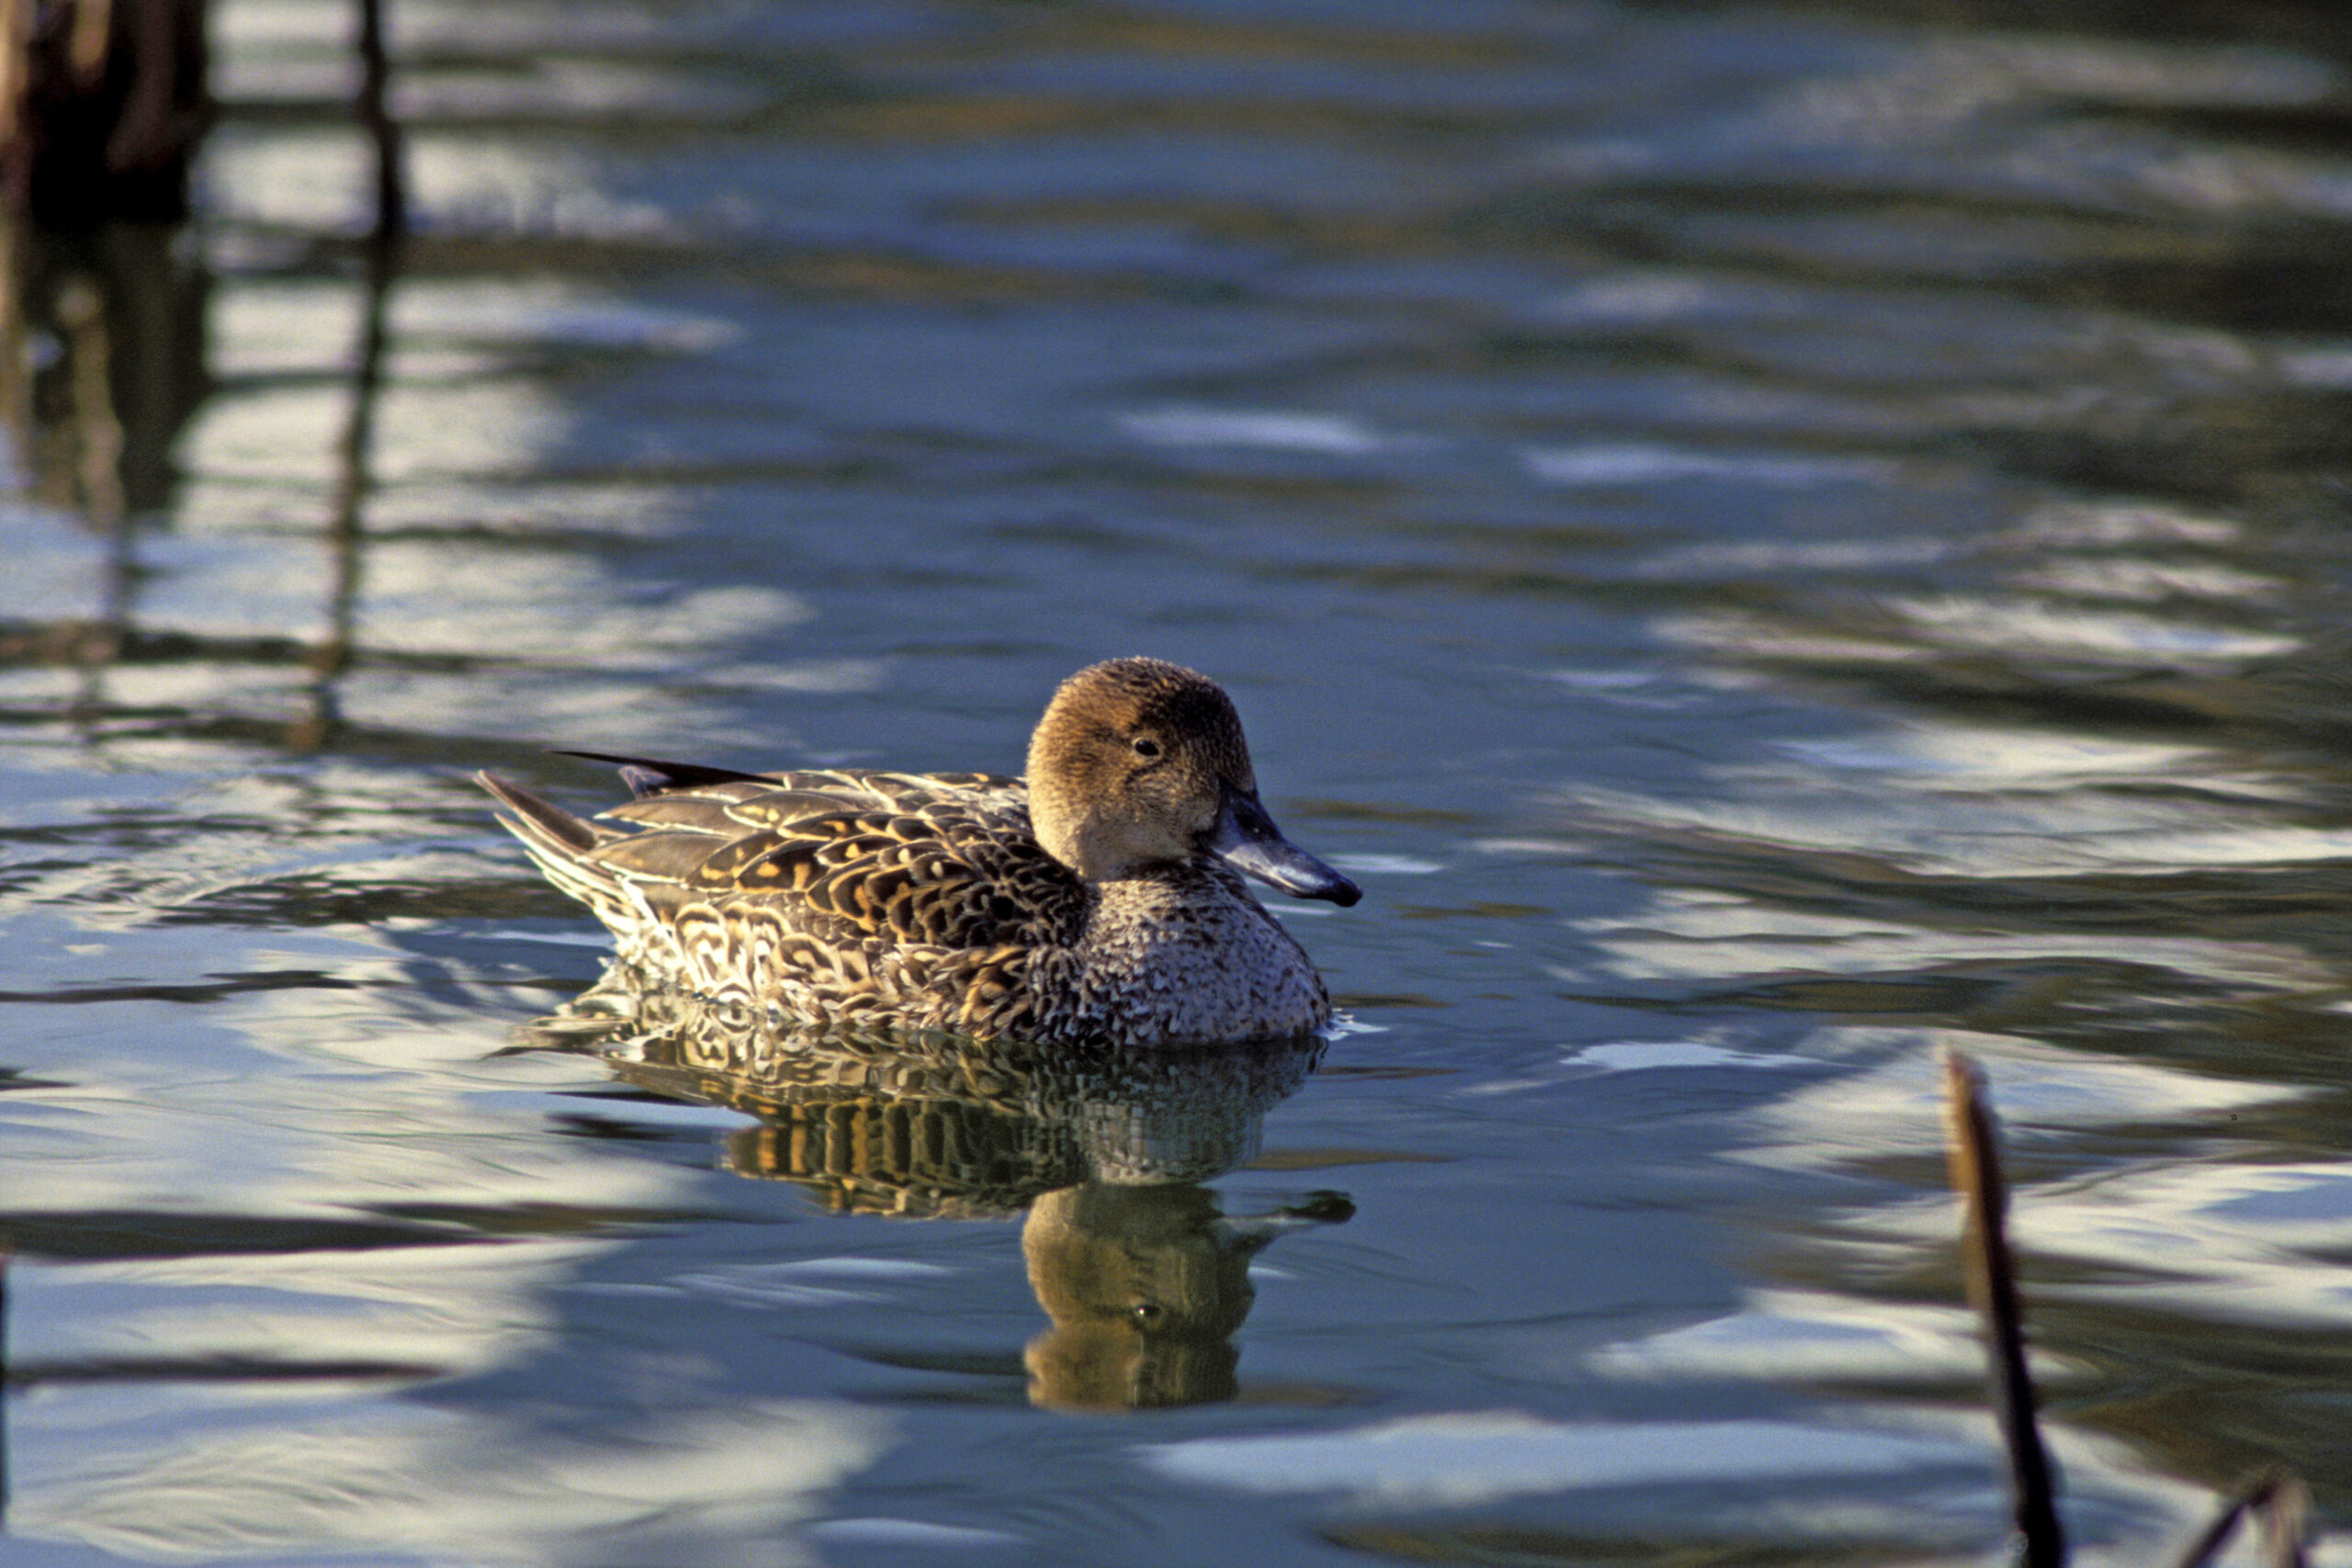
[1770, 541]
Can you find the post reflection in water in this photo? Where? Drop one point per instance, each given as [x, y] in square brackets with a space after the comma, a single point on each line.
[102, 367]
[101, 364]
[1103, 1152]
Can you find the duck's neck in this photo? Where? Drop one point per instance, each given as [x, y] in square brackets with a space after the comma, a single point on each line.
[1180, 904]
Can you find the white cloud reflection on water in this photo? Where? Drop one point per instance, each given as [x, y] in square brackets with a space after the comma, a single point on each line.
[542, 315]
[439, 1311]
[1917, 627]
[442, 328]
[1890, 1100]
[2025, 627]
[334, 1103]
[1693, 935]
[2138, 581]
[1787, 1336]
[1986, 802]
[462, 621]
[452, 643]
[1274, 429]
[343, 1096]
[191, 1485]
[1467, 1458]
[1650, 465]
[1811, 1483]
[316, 180]
[1986, 757]
[2227, 1240]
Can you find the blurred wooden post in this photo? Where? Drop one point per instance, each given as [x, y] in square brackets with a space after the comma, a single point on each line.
[1992, 1285]
[376, 117]
[102, 105]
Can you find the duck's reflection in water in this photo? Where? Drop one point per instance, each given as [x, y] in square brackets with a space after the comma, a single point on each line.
[1143, 1276]
[1146, 1286]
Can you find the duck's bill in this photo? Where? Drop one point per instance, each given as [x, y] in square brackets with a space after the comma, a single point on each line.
[1246, 839]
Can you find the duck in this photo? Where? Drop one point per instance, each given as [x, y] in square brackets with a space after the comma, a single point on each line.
[1099, 899]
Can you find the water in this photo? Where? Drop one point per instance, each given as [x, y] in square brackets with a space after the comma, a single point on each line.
[1771, 543]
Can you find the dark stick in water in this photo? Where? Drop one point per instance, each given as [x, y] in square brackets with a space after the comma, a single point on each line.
[1975, 1164]
[2280, 1501]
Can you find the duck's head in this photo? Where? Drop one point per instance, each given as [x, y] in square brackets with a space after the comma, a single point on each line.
[1138, 762]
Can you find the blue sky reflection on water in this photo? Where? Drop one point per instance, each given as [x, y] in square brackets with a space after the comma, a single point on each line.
[1772, 543]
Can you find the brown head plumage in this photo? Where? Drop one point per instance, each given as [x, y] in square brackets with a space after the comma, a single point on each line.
[1130, 763]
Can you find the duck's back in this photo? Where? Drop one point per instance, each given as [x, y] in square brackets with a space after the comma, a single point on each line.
[841, 896]
[942, 860]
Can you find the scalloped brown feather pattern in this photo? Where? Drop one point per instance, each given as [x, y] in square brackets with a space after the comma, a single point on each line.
[895, 900]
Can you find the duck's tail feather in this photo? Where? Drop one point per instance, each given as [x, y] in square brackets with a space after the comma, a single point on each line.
[647, 775]
[541, 824]
[564, 847]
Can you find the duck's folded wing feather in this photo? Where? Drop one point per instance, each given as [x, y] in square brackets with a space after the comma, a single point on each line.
[945, 878]
[729, 806]
[727, 811]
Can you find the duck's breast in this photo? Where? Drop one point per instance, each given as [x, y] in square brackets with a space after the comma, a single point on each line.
[1194, 957]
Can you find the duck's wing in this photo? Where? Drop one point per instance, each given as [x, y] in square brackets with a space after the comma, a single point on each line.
[877, 860]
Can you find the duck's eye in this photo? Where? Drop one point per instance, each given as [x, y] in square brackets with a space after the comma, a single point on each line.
[1147, 747]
